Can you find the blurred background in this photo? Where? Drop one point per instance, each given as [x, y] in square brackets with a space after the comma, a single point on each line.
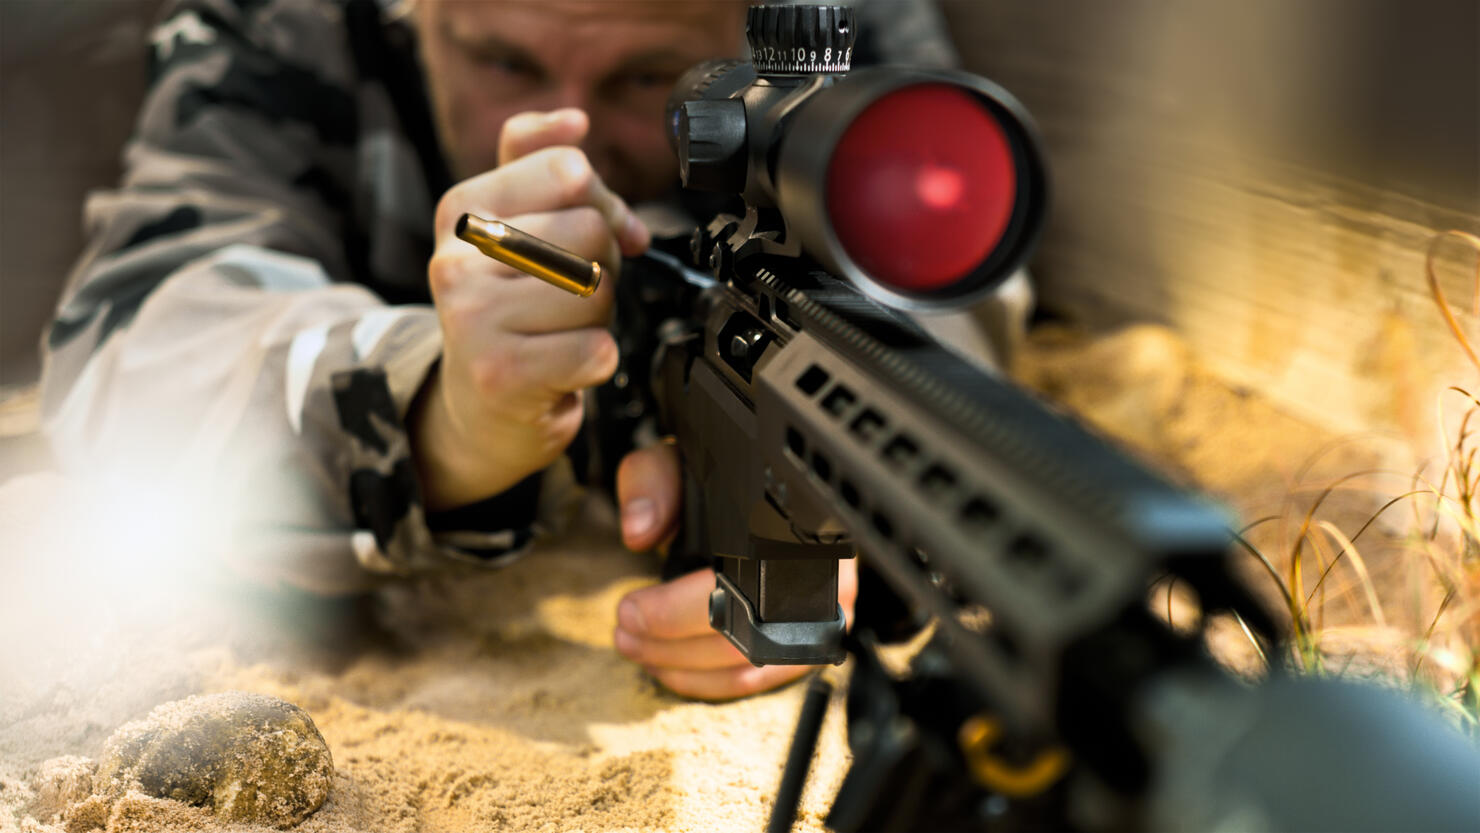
[1264, 177]
[71, 78]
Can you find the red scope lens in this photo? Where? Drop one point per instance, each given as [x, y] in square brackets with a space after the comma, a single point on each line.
[921, 187]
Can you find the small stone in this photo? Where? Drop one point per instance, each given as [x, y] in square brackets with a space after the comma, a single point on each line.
[249, 757]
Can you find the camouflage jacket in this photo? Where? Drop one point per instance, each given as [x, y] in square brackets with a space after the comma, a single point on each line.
[251, 309]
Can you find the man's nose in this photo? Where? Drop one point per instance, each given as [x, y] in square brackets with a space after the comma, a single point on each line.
[575, 95]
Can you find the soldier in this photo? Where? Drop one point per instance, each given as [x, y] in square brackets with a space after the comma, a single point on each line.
[273, 301]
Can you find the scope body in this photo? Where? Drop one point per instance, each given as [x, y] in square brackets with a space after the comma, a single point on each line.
[923, 188]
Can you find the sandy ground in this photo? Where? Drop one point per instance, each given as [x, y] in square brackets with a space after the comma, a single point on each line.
[481, 702]
[495, 701]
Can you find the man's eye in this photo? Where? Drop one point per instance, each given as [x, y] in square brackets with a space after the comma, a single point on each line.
[649, 80]
[507, 65]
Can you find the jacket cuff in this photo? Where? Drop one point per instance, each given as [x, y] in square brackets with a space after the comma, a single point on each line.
[394, 534]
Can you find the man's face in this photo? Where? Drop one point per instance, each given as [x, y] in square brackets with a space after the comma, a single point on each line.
[487, 60]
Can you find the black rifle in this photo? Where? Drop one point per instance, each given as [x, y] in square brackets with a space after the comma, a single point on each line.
[815, 420]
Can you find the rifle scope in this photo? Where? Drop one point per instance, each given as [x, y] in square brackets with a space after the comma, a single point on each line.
[924, 188]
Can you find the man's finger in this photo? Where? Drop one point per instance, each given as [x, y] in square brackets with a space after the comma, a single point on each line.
[477, 296]
[528, 375]
[567, 362]
[696, 653]
[528, 132]
[649, 489]
[675, 609]
[848, 586]
[536, 308]
[726, 683]
[548, 179]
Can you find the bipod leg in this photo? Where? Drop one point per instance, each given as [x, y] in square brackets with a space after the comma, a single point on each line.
[799, 757]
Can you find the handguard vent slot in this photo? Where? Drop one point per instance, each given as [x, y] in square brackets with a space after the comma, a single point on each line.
[821, 467]
[795, 443]
[839, 400]
[980, 515]
[883, 525]
[1028, 553]
[1037, 560]
[850, 494]
[938, 482]
[811, 381]
[901, 451]
[868, 425]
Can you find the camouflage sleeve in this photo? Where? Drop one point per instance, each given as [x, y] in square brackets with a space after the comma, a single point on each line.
[210, 333]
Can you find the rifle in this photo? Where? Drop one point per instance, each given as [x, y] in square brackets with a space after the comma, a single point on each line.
[816, 420]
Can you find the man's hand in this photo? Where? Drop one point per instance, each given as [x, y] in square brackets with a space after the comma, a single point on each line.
[505, 401]
[666, 628]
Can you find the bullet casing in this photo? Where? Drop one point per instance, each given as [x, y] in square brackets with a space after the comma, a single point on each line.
[531, 255]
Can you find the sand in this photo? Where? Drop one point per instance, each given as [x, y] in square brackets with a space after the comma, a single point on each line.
[495, 701]
[478, 703]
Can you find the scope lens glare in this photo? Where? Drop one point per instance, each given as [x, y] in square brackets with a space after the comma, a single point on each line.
[921, 187]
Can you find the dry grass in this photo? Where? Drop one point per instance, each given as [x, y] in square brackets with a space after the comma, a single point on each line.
[1427, 535]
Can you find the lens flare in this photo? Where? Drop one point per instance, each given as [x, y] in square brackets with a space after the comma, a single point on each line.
[939, 187]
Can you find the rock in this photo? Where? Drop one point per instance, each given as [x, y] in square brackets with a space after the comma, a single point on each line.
[250, 757]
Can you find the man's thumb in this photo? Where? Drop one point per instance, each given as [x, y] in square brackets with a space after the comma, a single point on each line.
[648, 491]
